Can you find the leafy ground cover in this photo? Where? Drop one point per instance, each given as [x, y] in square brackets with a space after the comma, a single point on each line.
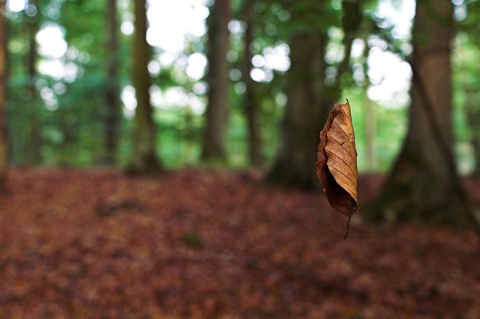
[217, 244]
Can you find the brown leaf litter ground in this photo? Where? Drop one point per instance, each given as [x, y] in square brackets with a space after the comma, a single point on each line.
[217, 244]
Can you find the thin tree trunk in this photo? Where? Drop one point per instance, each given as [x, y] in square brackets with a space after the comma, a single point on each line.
[3, 84]
[424, 184]
[473, 120]
[112, 100]
[370, 133]
[255, 155]
[144, 157]
[216, 115]
[34, 142]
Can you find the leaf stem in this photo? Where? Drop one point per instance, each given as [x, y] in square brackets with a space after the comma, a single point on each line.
[348, 227]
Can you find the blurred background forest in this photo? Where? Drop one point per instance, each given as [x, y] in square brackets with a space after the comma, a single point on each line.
[211, 99]
[71, 69]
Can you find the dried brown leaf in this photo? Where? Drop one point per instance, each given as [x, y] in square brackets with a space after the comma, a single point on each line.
[337, 160]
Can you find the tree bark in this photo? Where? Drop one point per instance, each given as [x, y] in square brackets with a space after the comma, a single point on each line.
[472, 112]
[34, 142]
[112, 100]
[255, 155]
[3, 98]
[309, 99]
[370, 133]
[305, 113]
[424, 184]
[216, 115]
[144, 157]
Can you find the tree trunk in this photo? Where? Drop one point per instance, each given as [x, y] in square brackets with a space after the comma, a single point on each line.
[144, 157]
[34, 142]
[424, 184]
[216, 115]
[309, 99]
[112, 100]
[472, 112]
[305, 113]
[3, 112]
[255, 155]
[370, 133]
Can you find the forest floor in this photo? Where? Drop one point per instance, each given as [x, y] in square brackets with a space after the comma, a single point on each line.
[216, 244]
